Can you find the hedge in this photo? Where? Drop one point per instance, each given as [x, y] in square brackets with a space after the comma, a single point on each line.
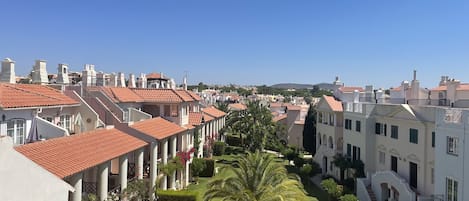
[209, 169]
[219, 148]
[176, 195]
[233, 140]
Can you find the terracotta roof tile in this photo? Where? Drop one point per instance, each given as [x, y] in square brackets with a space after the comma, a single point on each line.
[125, 95]
[463, 87]
[194, 96]
[68, 155]
[158, 95]
[158, 128]
[335, 105]
[439, 88]
[31, 95]
[185, 96]
[279, 117]
[350, 89]
[195, 118]
[156, 76]
[214, 112]
[294, 107]
[238, 106]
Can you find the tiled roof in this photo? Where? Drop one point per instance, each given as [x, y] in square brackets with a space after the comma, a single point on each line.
[214, 112]
[31, 95]
[124, 95]
[274, 105]
[195, 118]
[68, 155]
[185, 96]
[461, 87]
[194, 96]
[335, 105]
[238, 106]
[439, 88]
[158, 95]
[350, 89]
[279, 117]
[156, 76]
[294, 107]
[158, 128]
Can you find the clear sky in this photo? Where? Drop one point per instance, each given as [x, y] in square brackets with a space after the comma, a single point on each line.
[244, 41]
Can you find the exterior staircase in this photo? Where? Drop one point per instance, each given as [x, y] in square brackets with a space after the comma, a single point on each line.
[371, 193]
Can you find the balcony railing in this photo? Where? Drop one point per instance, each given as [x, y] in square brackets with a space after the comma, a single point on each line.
[90, 187]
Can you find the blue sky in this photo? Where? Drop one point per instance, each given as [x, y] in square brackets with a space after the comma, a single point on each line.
[245, 41]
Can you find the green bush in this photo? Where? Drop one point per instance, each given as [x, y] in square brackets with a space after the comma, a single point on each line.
[176, 195]
[197, 166]
[209, 169]
[299, 162]
[233, 140]
[306, 170]
[218, 148]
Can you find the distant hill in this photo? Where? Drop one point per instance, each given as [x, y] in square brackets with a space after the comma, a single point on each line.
[292, 86]
[324, 86]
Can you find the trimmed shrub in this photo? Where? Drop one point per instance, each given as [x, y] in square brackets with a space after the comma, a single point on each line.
[299, 162]
[233, 140]
[176, 195]
[209, 169]
[306, 170]
[218, 148]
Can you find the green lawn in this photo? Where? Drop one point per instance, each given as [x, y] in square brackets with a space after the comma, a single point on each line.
[200, 188]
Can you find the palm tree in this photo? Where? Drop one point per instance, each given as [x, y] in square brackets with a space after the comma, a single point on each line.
[255, 123]
[258, 178]
[223, 106]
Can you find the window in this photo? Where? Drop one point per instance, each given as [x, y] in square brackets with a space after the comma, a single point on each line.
[174, 110]
[414, 136]
[331, 119]
[348, 124]
[394, 164]
[331, 143]
[358, 126]
[452, 145]
[394, 132]
[16, 129]
[358, 153]
[433, 175]
[382, 158]
[380, 129]
[451, 189]
[433, 139]
[66, 122]
[320, 117]
[354, 153]
[167, 110]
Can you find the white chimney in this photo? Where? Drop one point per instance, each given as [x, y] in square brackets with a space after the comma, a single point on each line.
[112, 80]
[89, 75]
[8, 71]
[39, 72]
[356, 96]
[142, 81]
[131, 83]
[100, 79]
[120, 79]
[172, 84]
[184, 83]
[62, 74]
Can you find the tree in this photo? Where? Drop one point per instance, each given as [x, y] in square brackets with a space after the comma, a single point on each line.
[348, 197]
[223, 106]
[258, 178]
[309, 131]
[331, 187]
[197, 166]
[343, 164]
[255, 123]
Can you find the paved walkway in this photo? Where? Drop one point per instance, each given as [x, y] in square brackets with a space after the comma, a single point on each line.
[316, 180]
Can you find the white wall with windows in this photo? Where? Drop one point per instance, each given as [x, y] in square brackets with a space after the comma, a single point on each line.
[16, 124]
[451, 158]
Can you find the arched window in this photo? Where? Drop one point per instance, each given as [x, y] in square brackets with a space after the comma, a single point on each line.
[319, 138]
[331, 143]
[324, 139]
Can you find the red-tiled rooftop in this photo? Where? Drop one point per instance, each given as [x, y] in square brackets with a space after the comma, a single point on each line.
[68, 155]
[195, 118]
[461, 87]
[350, 89]
[185, 96]
[214, 112]
[124, 95]
[194, 95]
[279, 117]
[238, 106]
[158, 95]
[31, 95]
[294, 107]
[155, 76]
[158, 128]
[335, 105]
